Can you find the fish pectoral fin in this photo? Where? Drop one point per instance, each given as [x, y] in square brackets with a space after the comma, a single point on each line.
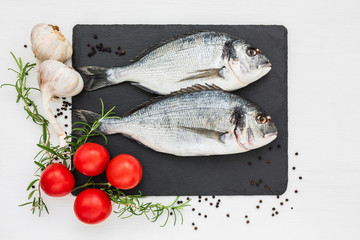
[205, 73]
[208, 133]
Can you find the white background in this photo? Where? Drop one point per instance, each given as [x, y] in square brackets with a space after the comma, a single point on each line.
[324, 117]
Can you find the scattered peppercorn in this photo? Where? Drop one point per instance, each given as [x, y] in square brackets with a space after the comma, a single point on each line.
[199, 200]
[267, 161]
[300, 177]
[270, 148]
[66, 125]
[276, 212]
[293, 168]
[25, 46]
[211, 204]
[296, 154]
[259, 157]
[281, 203]
[257, 206]
[247, 222]
[195, 228]
[286, 200]
[193, 209]
[249, 163]
[193, 224]
[272, 214]
[66, 117]
[277, 196]
[278, 146]
[246, 216]
[199, 214]
[206, 199]
[171, 213]
[273, 209]
[252, 183]
[95, 36]
[227, 215]
[213, 196]
[205, 216]
[260, 201]
[296, 191]
[186, 198]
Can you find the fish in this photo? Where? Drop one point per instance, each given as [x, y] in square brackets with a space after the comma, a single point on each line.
[196, 121]
[198, 58]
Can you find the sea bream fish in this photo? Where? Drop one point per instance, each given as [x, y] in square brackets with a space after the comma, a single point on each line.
[202, 120]
[200, 58]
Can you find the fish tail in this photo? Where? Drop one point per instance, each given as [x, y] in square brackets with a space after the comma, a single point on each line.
[90, 118]
[99, 77]
[86, 116]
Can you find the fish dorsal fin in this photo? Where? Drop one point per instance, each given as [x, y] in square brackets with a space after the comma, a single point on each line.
[162, 43]
[194, 88]
[197, 88]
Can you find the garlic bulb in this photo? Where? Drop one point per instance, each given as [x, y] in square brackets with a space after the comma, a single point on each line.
[47, 43]
[57, 80]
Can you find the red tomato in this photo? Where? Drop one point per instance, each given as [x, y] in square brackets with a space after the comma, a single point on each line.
[124, 171]
[91, 159]
[92, 206]
[56, 180]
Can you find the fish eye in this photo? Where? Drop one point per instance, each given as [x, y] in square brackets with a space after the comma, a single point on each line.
[251, 52]
[261, 119]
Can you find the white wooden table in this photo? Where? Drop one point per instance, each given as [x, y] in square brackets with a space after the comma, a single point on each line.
[324, 117]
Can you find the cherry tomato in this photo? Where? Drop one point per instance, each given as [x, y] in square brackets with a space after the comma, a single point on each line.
[56, 180]
[92, 206]
[91, 159]
[124, 171]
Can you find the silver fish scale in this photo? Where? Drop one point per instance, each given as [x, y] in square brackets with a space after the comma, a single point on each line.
[173, 124]
[178, 60]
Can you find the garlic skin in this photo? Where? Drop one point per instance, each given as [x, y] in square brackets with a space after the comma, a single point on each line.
[48, 43]
[57, 80]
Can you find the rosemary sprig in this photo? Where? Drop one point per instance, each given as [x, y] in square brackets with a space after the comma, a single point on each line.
[32, 110]
[131, 205]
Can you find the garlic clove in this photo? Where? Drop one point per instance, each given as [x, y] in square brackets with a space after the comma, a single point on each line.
[48, 42]
[57, 79]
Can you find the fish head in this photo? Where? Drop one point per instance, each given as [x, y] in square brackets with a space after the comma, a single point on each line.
[247, 62]
[254, 128]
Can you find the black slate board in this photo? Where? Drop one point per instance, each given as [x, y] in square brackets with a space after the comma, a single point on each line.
[171, 175]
